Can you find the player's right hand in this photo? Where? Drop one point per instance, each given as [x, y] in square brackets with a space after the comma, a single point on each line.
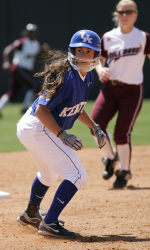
[101, 136]
[6, 66]
[71, 141]
[104, 74]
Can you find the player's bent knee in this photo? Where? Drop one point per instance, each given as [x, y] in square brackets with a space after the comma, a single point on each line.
[122, 140]
[78, 180]
[82, 180]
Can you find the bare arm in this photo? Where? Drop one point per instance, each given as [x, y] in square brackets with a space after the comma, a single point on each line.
[102, 71]
[6, 52]
[148, 56]
[45, 116]
[86, 119]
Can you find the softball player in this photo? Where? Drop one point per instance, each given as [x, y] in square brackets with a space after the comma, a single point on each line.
[67, 83]
[25, 50]
[125, 48]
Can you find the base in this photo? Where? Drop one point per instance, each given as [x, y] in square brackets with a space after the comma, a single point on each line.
[4, 195]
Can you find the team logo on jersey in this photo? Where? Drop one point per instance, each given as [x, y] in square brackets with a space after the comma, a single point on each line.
[121, 53]
[73, 110]
[86, 38]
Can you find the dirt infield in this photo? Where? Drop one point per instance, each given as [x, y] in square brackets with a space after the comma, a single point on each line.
[102, 217]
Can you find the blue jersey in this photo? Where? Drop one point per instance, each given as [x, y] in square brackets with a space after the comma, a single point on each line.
[70, 101]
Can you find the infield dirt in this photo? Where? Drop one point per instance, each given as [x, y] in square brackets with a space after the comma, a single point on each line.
[102, 217]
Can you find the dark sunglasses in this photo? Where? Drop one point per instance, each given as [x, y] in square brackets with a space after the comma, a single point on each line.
[127, 12]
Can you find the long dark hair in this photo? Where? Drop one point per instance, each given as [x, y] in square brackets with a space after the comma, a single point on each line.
[56, 66]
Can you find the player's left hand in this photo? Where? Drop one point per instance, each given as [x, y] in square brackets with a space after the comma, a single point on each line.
[100, 135]
[71, 141]
[104, 74]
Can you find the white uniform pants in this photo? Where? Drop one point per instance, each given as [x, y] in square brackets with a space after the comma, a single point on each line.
[51, 157]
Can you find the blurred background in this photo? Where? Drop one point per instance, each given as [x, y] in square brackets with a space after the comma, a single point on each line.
[57, 21]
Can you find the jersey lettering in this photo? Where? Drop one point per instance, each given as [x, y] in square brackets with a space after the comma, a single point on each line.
[73, 110]
[126, 52]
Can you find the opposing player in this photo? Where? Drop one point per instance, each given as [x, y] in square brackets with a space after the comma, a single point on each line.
[67, 83]
[25, 51]
[125, 48]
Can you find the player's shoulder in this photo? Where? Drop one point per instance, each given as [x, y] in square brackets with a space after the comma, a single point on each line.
[111, 32]
[68, 77]
[109, 35]
[70, 73]
[20, 41]
[37, 42]
[141, 34]
[144, 33]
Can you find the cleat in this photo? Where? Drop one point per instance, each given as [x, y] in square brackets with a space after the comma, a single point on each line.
[24, 219]
[122, 177]
[30, 216]
[54, 229]
[110, 164]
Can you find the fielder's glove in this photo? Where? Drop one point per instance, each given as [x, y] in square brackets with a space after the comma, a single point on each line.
[71, 141]
[100, 135]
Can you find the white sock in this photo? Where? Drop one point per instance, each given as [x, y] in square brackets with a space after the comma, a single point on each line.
[109, 150]
[28, 99]
[4, 100]
[124, 156]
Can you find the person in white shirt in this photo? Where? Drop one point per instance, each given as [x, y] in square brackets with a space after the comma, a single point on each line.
[125, 49]
[25, 51]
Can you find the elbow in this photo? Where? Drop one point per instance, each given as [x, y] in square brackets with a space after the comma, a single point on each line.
[37, 111]
[41, 110]
[36, 114]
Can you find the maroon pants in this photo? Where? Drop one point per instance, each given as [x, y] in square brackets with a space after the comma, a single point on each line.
[126, 100]
[18, 78]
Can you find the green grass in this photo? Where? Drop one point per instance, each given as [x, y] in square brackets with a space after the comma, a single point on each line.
[11, 115]
[8, 138]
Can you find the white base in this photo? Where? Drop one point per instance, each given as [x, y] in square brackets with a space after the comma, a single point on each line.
[4, 195]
